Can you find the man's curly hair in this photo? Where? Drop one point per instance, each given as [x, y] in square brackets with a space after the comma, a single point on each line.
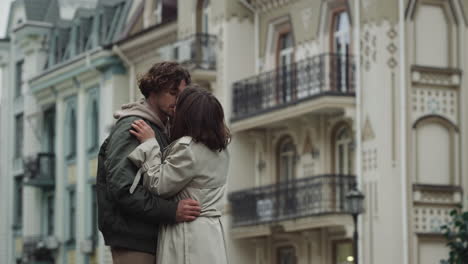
[163, 76]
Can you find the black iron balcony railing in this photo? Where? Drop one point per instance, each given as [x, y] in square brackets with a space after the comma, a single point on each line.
[36, 249]
[311, 196]
[325, 74]
[40, 170]
[197, 51]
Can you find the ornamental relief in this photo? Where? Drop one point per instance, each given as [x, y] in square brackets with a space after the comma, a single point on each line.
[429, 219]
[434, 77]
[435, 101]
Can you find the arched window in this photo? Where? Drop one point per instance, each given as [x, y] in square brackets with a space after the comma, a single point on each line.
[286, 159]
[344, 151]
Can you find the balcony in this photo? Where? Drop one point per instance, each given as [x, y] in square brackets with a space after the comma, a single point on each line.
[39, 170]
[39, 249]
[323, 80]
[197, 52]
[301, 198]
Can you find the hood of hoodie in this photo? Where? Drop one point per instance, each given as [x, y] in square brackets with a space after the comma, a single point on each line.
[141, 109]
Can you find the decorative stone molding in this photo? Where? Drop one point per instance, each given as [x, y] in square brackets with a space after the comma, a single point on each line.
[435, 101]
[429, 219]
[445, 77]
[369, 160]
[437, 194]
[267, 5]
[367, 131]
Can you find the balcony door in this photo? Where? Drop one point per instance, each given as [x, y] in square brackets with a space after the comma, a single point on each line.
[286, 193]
[286, 160]
[344, 151]
[340, 61]
[285, 62]
[344, 161]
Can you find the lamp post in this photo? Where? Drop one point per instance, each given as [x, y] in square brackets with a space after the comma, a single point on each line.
[354, 201]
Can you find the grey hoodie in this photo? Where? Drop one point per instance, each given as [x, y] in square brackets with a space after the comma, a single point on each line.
[141, 109]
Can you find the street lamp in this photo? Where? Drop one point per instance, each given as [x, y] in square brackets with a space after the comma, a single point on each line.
[354, 201]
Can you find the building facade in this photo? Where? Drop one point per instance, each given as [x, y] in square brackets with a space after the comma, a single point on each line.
[321, 96]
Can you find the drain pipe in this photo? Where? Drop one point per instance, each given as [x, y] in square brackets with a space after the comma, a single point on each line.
[131, 66]
[403, 141]
[357, 52]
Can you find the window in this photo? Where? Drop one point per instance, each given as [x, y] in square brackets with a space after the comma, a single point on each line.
[286, 159]
[19, 77]
[19, 136]
[203, 16]
[49, 131]
[286, 255]
[340, 59]
[18, 217]
[94, 217]
[93, 121]
[344, 151]
[78, 43]
[72, 132]
[72, 213]
[49, 214]
[158, 11]
[71, 126]
[341, 33]
[285, 64]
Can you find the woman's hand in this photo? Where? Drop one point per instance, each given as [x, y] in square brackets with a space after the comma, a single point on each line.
[142, 131]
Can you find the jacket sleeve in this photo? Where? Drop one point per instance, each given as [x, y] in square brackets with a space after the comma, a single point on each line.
[169, 177]
[121, 173]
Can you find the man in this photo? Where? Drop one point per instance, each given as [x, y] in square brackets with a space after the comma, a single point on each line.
[128, 215]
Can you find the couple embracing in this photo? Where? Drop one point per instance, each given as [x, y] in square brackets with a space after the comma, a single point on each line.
[162, 174]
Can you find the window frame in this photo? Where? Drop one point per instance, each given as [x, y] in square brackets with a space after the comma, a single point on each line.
[19, 75]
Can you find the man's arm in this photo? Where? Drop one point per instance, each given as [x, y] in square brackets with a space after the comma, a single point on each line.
[121, 175]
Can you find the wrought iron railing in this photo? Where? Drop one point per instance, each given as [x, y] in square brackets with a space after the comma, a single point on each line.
[325, 74]
[197, 51]
[38, 248]
[39, 170]
[311, 196]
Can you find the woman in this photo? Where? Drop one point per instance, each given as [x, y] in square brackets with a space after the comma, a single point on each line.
[194, 166]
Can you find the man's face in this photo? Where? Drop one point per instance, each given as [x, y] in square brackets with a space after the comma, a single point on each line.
[165, 101]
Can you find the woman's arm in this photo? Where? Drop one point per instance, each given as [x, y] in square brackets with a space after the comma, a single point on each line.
[165, 178]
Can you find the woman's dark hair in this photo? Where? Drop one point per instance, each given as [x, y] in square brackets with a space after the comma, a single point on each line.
[163, 76]
[200, 115]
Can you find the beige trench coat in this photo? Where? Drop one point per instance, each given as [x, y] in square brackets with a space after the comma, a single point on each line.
[189, 170]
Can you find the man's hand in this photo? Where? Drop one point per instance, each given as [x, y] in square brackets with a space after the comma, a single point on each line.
[187, 210]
